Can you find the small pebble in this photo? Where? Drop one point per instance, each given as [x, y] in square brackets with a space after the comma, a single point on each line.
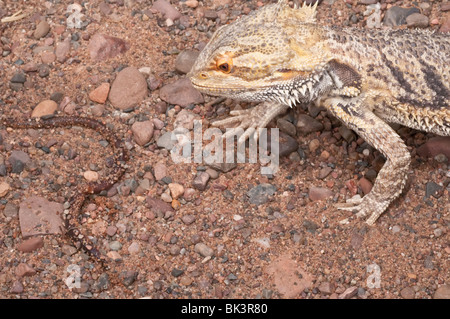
[407, 293]
[177, 272]
[314, 145]
[192, 3]
[100, 94]
[111, 230]
[260, 194]
[176, 190]
[4, 189]
[115, 245]
[443, 292]
[68, 250]
[114, 255]
[188, 219]
[185, 60]
[91, 176]
[47, 107]
[24, 269]
[319, 193]
[200, 181]
[160, 171]
[18, 77]
[134, 248]
[396, 229]
[203, 250]
[142, 132]
[41, 30]
[31, 244]
[16, 287]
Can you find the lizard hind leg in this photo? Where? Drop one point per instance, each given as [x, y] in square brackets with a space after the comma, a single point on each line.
[392, 177]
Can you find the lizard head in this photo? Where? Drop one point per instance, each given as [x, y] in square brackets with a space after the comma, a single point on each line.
[267, 55]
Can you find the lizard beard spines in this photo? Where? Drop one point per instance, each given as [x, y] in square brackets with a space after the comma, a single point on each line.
[301, 90]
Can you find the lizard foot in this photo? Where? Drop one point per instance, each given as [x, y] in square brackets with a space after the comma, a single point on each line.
[364, 206]
[250, 120]
[245, 120]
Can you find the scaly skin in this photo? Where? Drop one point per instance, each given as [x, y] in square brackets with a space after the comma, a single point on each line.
[280, 56]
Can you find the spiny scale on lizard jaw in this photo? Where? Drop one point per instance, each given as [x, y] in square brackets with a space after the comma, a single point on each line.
[280, 56]
[76, 202]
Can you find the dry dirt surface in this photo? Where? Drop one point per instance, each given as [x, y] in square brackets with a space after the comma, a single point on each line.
[188, 230]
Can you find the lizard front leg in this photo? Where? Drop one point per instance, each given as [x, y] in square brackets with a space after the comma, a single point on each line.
[251, 119]
[392, 177]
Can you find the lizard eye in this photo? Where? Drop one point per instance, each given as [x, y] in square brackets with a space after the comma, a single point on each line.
[224, 64]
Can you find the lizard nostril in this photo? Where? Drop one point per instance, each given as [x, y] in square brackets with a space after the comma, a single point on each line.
[203, 75]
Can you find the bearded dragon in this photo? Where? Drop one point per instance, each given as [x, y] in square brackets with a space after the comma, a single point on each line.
[367, 78]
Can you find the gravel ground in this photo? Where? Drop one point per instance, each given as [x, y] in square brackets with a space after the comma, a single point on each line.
[189, 230]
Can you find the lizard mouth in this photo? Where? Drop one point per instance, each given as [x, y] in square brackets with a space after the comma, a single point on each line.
[214, 89]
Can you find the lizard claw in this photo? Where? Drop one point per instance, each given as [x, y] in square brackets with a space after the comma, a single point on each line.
[247, 122]
[364, 206]
[350, 204]
[250, 120]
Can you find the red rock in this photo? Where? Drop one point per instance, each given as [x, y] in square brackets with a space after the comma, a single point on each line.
[356, 240]
[445, 27]
[128, 89]
[19, 156]
[306, 124]
[39, 216]
[142, 132]
[200, 181]
[408, 293]
[442, 292]
[41, 30]
[62, 50]
[160, 171]
[46, 107]
[48, 57]
[365, 185]
[351, 185]
[30, 67]
[289, 278]
[100, 94]
[167, 9]
[105, 8]
[349, 293]
[23, 270]
[59, 29]
[319, 193]
[181, 92]
[326, 288]
[157, 205]
[154, 83]
[102, 47]
[4, 189]
[16, 288]
[434, 146]
[185, 60]
[111, 230]
[31, 244]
